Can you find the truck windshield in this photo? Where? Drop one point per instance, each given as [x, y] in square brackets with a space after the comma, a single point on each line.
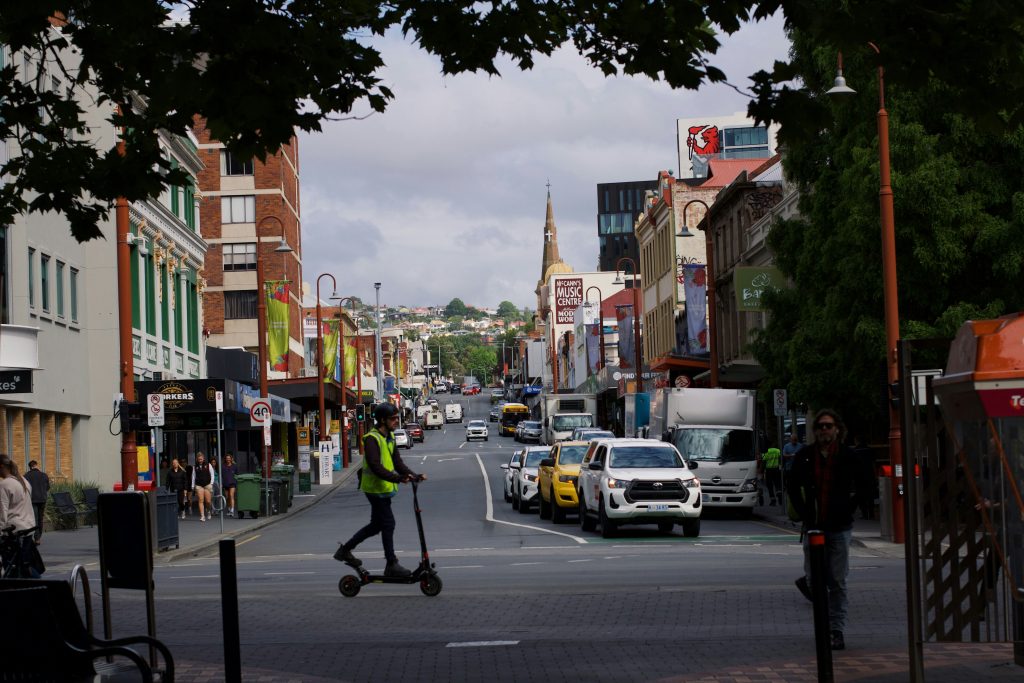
[571, 455]
[567, 423]
[715, 445]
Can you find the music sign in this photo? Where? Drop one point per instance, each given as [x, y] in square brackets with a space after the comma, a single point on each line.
[568, 297]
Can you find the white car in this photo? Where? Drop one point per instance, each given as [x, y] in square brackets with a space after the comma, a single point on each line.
[402, 439]
[524, 481]
[637, 481]
[476, 429]
[530, 430]
[509, 474]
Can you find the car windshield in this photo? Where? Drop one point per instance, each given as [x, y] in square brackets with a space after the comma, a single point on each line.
[645, 456]
[533, 458]
[571, 455]
[530, 424]
[590, 436]
[566, 423]
[477, 423]
[715, 445]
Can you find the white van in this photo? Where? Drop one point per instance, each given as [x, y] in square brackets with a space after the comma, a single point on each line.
[433, 419]
[453, 412]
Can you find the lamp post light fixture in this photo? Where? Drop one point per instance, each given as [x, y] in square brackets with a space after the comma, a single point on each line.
[600, 314]
[378, 365]
[636, 318]
[890, 293]
[712, 302]
[324, 431]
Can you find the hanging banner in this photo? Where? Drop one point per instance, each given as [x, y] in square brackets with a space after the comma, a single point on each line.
[330, 331]
[593, 348]
[695, 289]
[624, 316]
[350, 362]
[277, 324]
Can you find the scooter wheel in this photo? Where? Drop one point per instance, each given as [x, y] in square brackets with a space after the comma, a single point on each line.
[431, 585]
[349, 586]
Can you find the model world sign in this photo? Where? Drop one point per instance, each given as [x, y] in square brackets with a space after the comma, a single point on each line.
[568, 297]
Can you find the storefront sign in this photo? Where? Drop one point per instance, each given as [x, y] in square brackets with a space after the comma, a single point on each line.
[326, 462]
[568, 297]
[751, 284]
[16, 382]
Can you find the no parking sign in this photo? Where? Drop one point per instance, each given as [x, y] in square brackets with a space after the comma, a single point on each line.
[780, 401]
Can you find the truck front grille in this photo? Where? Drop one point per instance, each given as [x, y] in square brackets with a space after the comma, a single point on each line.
[668, 489]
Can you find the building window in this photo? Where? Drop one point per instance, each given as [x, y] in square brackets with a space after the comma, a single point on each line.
[31, 277]
[240, 305]
[42, 442]
[73, 294]
[231, 165]
[240, 209]
[240, 256]
[59, 284]
[44, 281]
[741, 137]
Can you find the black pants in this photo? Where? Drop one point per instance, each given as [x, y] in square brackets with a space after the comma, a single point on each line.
[773, 480]
[382, 521]
[40, 510]
[181, 500]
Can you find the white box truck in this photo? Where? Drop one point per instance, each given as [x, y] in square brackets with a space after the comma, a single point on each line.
[453, 412]
[433, 418]
[562, 413]
[715, 431]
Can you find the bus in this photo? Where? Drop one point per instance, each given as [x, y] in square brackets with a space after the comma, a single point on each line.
[511, 415]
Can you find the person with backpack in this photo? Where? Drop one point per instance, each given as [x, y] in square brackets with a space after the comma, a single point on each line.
[825, 486]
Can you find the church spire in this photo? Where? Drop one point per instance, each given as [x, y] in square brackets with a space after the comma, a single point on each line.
[551, 256]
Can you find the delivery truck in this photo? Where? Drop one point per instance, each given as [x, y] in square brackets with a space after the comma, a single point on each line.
[562, 413]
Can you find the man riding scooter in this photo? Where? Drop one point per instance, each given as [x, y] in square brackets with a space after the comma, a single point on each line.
[382, 472]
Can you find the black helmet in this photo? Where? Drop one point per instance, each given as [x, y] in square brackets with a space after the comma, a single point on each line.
[382, 411]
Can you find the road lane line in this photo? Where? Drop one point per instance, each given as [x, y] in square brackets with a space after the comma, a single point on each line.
[490, 509]
[461, 445]
[464, 566]
[571, 561]
[251, 538]
[196, 576]
[285, 573]
[483, 643]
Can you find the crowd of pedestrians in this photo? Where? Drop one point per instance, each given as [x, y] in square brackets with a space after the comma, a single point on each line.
[198, 486]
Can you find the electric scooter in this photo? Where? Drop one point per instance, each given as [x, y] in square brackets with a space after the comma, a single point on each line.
[424, 574]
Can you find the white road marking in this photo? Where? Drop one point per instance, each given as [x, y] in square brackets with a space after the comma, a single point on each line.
[197, 576]
[447, 459]
[285, 573]
[483, 643]
[462, 445]
[464, 566]
[525, 564]
[490, 509]
[571, 561]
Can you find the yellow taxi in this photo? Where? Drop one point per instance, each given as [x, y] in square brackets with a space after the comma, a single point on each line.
[557, 477]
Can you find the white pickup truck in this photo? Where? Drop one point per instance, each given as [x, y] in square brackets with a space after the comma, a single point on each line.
[637, 481]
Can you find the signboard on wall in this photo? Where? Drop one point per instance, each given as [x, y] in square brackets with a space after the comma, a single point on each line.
[568, 297]
[751, 283]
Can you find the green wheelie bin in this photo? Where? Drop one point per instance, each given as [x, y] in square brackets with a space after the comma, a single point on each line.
[286, 474]
[247, 495]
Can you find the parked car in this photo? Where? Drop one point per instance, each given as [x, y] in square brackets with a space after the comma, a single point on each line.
[529, 430]
[578, 433]
[415, 431]
[524, 481]
[637, 481]
[476, 429]
[495, 414]
[510, 472]
[497, 395]
[402, 439]
[557, 478]
[596, 434]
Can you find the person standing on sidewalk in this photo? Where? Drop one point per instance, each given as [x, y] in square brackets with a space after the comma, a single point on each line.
[230, 472]
[382, 471]
[789, 452]
[177, 481]
[773, 474]
[826, 486]
[202, 484]
[40, 484]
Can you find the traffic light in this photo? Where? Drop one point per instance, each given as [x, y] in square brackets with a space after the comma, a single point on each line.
[895, 394]
[361, 412]
[130, 413]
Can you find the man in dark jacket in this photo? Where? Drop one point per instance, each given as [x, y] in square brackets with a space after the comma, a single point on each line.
[40, 484]
[826, 485]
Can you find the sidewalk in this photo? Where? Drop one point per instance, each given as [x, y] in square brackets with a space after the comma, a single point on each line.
[867, 533]
[61, 550]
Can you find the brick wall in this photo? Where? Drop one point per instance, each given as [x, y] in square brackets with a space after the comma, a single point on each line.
[66, 467]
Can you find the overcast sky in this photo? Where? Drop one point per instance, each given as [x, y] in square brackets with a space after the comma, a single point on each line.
[443, 195]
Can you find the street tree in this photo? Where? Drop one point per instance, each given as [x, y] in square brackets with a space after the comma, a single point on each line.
[454, 308]
[508, 310]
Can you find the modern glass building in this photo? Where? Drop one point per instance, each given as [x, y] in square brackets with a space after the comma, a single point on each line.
[618, 205]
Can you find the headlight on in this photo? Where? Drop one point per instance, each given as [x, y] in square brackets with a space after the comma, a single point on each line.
[530, 477]
[618, 483]
[691, 483]
[566, 478]
[749, 486]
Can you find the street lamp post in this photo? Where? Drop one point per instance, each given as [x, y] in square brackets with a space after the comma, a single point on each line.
[378, 364]
[636, 319]
[600, 314]
[320, 352]
[344, 381]
[712, 304]
[554, 348]
[892, 314]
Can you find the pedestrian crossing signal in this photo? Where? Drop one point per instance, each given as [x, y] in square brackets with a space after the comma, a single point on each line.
[361, 412]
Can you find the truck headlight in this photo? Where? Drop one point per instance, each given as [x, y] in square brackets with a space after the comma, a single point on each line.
[618, 483]
[749, 486]
[566, 478]
[691, 483]
[530, 477]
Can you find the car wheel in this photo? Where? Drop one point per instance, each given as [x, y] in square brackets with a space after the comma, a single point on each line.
[544, 509]
[515, 501]
[665, 527]
[508, 496]
[607, 525]
[557, 511]
[691, 528]
[524, 505]
[587, 522]
[485, 438]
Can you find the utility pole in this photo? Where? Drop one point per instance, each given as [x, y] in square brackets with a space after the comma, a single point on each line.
[379, 369]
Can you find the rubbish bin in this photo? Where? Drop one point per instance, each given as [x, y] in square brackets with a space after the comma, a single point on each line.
[286, 474]
[166, 518]
[305, 486]
[274, 487]
[247, 495]
[885, 507]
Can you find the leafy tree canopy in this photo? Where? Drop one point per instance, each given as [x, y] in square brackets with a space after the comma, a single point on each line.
[455, 307]
[257, 70]
[507, 309]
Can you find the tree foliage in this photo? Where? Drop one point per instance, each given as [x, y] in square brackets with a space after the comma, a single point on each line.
[508, 310]
[959, 215]
[455, 308]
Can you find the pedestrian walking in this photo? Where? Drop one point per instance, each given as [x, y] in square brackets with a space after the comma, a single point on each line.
[202, 485]
[789, 452]
[230, 474]
[40, 484]
[826, 486]
[178, 481]
[773, 474]
[382, 471]
[15, 497]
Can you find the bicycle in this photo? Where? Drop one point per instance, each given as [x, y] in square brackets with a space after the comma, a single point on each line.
[19, 558]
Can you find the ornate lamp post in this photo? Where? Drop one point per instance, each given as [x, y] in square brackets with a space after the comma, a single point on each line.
[710, 267]
[324, 431]
[636, 318]
[600, 314]
[892, 313]
[344, 383]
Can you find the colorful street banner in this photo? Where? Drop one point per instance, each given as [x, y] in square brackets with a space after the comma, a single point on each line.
[350, 362]
[624, 316]
[277, 324]
[695, 289]
[593, 348]
[331, 329]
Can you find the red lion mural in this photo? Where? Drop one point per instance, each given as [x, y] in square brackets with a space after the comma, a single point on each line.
[709, 134]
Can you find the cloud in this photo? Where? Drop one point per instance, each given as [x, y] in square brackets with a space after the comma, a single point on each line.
[443, 195]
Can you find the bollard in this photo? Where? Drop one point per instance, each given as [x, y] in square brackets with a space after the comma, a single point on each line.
[819, 591]
[229, 612]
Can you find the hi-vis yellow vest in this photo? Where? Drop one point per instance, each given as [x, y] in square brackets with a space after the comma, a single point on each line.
[370, 482]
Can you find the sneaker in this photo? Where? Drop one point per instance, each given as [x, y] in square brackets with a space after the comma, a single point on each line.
[838, 643]
[202, 519]
[804, 588]
[183, 515]
[344, 555]
[395, 570]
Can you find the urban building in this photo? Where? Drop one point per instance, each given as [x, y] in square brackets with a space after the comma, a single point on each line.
[618, 205]
[735, 136]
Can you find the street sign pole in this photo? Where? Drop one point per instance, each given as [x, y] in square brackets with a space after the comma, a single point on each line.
[219, 398]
